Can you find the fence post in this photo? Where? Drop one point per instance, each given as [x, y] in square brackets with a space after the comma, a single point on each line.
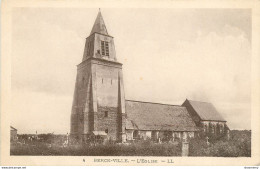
[185, 148]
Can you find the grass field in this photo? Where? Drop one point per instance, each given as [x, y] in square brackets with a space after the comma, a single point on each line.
[238, 145]
[135, 149]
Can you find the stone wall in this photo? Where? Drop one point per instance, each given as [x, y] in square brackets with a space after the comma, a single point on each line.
[108, 123]
[81, 100]
[108, 96]
[98, 90]
[107, 85]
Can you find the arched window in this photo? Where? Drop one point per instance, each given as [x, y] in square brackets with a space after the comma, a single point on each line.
[154, 135]
[106, 114]
[218, 128]
[205, 128]
[221, 128]
[135, 134]
[211, 128]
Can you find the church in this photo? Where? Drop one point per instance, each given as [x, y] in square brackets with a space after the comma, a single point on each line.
[100, 108]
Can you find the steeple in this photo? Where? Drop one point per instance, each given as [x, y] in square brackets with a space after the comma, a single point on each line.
[99, 44]
[99, 100]
[99, 25]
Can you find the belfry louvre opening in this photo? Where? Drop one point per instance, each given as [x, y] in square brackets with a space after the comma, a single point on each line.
[104, 48]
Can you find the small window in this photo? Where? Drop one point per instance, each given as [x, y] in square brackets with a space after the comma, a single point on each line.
[102, 80]
[111, 81]
[205, 127]
[106, 130]
[135, 134]
[106, 113]
[213, 128]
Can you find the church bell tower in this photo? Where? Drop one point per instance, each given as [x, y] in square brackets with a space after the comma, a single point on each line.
[99, 101]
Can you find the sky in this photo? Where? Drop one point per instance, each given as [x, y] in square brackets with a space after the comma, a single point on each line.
[168, 55]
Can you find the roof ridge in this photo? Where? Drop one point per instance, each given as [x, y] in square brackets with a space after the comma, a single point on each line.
[198, 101]
[154, 103]
[13, 128]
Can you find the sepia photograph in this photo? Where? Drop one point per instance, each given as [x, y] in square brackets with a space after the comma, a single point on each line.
[130, 82]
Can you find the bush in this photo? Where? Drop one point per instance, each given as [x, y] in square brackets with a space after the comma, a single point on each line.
[239, 145]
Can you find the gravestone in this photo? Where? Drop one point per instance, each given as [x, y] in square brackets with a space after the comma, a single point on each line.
[228, 135]
[185, 148]
[124, 138]
[207, 139]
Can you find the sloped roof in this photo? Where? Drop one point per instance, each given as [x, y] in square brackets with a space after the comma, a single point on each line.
[206, 110]
[12, 128]
[131, 125]
[155, 116]
[99, 25]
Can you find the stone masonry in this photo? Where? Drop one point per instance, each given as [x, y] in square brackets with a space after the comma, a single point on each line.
[98, 103]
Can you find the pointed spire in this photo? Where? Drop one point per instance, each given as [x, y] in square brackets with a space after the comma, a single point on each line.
[99, 25]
